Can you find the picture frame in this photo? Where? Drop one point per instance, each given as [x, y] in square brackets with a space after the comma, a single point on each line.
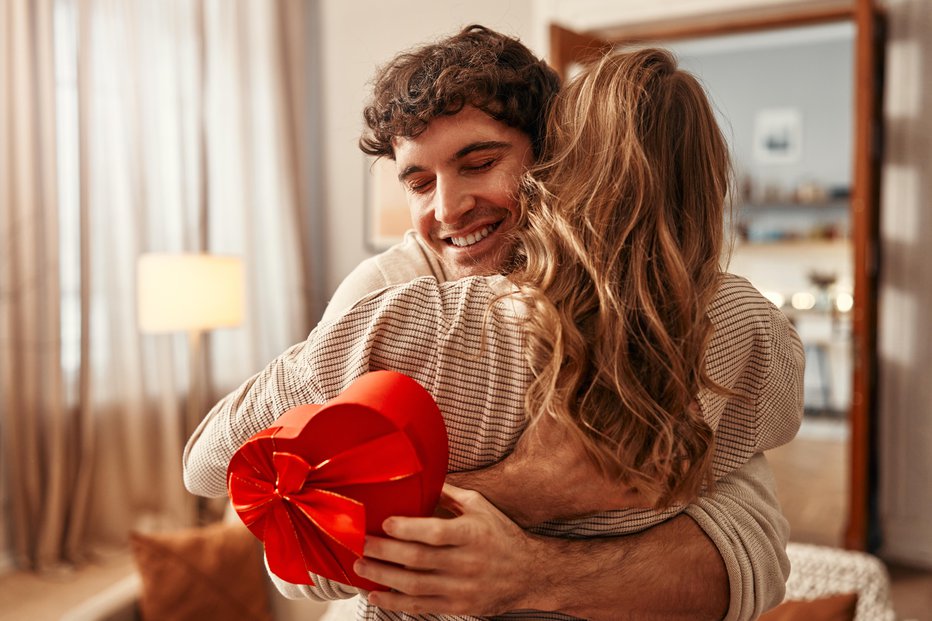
[387, 216]
[778, 136]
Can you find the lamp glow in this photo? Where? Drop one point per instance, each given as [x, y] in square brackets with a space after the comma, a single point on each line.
[192, 292]
[803, 300]
[844, 302]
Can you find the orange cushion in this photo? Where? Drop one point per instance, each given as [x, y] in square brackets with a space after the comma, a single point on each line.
[832, 608]
[199, 574]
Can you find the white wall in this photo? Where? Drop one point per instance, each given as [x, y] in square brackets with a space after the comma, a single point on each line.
[596, 14]
[813, 76]
[356, 37]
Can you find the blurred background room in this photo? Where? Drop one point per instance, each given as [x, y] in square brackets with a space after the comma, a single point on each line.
[181, 192]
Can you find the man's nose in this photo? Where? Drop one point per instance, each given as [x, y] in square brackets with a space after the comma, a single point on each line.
[453, 200]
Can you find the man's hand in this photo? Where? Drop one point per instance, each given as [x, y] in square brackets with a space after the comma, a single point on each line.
[547, 477]
[482, 563]
[474, 563]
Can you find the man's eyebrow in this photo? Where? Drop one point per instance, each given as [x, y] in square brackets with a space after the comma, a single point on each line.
[408, 171]
[480, 146]
[487, 145]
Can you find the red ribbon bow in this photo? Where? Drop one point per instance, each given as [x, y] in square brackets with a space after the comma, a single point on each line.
[369, 460]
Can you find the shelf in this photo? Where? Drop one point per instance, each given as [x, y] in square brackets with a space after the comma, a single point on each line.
[793, 222]
[796, 245]
[839, 204]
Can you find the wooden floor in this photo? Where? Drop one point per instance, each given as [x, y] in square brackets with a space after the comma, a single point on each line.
[812, 484]
[31, 597]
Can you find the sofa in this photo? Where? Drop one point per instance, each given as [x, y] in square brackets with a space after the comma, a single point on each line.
[120, 603]
[205, 573]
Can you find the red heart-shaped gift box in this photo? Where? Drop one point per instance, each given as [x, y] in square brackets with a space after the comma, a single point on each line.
[322, 476]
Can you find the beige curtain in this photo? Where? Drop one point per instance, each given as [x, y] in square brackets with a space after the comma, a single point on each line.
[137, 126]
[904, 332]
[41, 430]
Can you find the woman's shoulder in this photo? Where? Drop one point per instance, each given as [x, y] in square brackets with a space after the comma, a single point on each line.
[736, 295]
[739, 310]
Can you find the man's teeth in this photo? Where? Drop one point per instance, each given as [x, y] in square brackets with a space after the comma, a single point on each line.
[472, 238]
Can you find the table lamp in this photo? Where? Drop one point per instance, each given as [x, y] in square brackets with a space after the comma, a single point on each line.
[192, 293]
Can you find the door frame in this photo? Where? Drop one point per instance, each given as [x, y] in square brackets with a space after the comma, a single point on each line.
[568, 47]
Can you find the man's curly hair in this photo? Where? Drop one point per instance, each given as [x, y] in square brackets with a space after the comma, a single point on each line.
[477, 67]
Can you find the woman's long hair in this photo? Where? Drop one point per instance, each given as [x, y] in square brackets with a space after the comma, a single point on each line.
[618, 261]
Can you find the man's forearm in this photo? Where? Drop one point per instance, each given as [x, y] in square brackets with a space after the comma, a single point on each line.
[479, 562]
[670, 571]
[547, 477]
[740, 525]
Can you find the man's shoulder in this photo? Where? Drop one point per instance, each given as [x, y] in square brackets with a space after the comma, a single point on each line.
[470, 294]
[467, 302]
[745, 320]
[405, 261]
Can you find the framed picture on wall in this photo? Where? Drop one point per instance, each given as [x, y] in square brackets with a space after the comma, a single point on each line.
[386, 216]
[778, 136]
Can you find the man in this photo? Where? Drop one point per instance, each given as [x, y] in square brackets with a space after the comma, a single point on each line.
[460, 165]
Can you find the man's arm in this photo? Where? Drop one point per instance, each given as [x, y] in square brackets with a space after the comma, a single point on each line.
[728, 553]
[739, 523]
[481, 563]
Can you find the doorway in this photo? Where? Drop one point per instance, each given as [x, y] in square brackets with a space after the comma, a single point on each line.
[832, 214]
[784, 99]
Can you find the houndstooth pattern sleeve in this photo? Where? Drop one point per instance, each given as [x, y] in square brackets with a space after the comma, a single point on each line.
[435, 333]
[755, 353]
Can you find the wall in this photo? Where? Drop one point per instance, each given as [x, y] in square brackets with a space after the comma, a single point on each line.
[600, 14]
[807, 69]
[357, 37]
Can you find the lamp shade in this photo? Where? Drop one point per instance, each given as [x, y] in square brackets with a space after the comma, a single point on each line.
[189, 292]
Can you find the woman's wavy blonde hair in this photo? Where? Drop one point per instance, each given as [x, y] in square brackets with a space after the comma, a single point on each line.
[618, 261]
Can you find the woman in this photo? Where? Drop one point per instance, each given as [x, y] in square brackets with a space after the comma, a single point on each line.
[621, 265]
[615, 321]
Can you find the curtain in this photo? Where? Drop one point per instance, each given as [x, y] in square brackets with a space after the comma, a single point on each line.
[904, 341]
[39, 427]
[137, 126]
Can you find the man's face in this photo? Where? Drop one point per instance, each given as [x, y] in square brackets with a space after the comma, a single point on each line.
[461, 178]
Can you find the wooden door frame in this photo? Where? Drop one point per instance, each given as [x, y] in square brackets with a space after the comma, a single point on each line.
[568, 47]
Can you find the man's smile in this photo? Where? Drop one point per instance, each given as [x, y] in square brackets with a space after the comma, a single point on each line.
[461, 177]
[472, 237]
